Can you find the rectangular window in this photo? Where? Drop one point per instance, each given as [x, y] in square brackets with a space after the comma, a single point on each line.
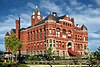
[64, 36]
[50, 31]
[50, 40]
[53, 45]
[50, 45]
[63, 45]
[84, 38]
[40, 33]
[44, 32]
[76, 37]
[58, 34]
[47, 41]
[37, 34]
[53, 41]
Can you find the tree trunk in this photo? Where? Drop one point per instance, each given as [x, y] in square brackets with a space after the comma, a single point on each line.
[12, 57]
[16, 57]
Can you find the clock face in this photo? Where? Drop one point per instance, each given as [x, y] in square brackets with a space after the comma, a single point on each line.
[33, 17]
[38, 17]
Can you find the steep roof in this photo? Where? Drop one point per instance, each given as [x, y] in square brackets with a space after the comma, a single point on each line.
[13, 30]
[7, 34]
[83, 27]
[49, 17]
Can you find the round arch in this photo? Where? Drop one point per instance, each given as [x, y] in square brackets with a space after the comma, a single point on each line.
[70, 44]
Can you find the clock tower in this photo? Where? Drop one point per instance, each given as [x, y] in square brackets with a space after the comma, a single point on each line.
[36, 17]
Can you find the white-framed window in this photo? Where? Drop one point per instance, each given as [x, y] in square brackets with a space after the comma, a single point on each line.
[64, 33]
[58, 32]
[50, 31]
[84, 38]
[69, 34]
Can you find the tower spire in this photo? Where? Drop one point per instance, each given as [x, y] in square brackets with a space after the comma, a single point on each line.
[36, 9]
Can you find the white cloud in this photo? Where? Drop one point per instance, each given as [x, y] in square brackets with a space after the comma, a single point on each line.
[94, 35]
[94, 44]
[31, 5]
[50, 6]
[8, 22]
[74, 2]
[2, 47]
[92, 23]
[98, 2]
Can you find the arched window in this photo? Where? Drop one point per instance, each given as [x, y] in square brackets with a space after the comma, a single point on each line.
[69, 34]
[58, 32]
[50, 31]
[64, 33]
[44, 32]
[84, 38]
[40, 33]
[36, 34]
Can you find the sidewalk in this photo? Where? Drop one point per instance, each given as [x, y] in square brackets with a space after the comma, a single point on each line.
[60, 66]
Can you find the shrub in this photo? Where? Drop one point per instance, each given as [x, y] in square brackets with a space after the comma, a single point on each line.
[1, 64]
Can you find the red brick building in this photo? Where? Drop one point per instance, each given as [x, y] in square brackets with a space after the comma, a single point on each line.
[60, 33]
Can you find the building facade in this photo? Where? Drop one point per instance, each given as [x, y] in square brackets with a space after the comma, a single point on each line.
[60, 33]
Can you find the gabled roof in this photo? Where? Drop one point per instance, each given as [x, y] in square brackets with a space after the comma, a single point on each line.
[62, 17]
[13, 30]
[83, 27]
[50, 16]
[7, 34]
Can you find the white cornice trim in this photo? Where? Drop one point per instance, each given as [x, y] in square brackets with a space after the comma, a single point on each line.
[65, 21]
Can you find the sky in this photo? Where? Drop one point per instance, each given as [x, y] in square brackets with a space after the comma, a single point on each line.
[83, 11]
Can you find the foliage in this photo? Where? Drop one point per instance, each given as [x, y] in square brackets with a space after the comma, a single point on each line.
[97, 54]
[49, 52]
[94, 57]
[13, 43]
[37, 57]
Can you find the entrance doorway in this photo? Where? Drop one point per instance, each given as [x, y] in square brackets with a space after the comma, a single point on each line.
[69, 45]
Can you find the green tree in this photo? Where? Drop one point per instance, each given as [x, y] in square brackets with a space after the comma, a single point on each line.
[91, 60]
[97, 55]
[13, 43]
[49, 52]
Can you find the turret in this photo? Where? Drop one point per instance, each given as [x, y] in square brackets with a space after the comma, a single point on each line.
[36, 17]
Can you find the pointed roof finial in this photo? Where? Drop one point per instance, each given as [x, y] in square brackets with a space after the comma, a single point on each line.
[36, 6]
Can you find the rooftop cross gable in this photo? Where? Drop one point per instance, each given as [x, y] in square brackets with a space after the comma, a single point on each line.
[7, 34]
[83, 27]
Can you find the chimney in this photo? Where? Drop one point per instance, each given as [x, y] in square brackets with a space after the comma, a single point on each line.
[18, 28]
[72, 20]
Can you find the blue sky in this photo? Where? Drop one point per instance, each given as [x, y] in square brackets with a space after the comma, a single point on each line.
[84, 11]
